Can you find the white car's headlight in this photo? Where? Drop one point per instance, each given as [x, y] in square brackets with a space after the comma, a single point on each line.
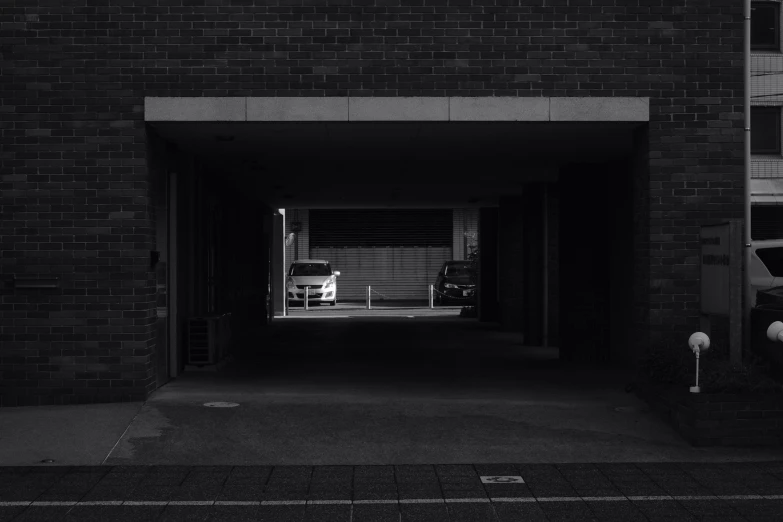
[329, 283]
[290, 283]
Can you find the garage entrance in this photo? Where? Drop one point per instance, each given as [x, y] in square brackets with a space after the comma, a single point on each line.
[552, 204]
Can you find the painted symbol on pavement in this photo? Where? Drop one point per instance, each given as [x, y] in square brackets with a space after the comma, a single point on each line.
[502, 479]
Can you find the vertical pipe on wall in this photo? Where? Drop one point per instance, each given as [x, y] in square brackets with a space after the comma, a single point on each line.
[748, 290]
[173, 276]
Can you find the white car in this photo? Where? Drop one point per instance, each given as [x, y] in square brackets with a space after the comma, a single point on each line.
[766, 265]
[316, 274]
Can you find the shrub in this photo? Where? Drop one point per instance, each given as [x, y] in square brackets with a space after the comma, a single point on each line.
[716, 375]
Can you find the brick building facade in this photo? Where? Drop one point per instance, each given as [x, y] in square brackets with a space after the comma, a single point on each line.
[77, 174]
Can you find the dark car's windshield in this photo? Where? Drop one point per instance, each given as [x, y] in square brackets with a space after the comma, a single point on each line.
[310, 269]
[458, 270]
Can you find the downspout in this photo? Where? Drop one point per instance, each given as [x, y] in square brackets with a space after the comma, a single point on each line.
[747, 250]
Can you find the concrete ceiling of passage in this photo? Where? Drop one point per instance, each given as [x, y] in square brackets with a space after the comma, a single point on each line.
[393, 164]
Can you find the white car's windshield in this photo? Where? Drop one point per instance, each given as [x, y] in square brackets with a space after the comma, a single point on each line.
[310, 269]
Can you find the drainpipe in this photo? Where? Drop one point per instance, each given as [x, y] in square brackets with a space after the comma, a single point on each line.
[747, 251]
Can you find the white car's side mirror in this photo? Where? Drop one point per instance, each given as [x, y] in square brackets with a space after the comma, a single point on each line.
[337, 273]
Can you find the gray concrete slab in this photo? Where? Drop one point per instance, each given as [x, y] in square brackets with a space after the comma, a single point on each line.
[421, 390]
[70, 435]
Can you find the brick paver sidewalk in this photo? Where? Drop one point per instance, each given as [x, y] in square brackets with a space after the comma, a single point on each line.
[482, 493]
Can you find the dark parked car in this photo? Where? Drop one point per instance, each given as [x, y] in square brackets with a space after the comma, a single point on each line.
[456, 284]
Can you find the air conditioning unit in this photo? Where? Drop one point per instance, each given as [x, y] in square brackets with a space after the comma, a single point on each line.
[203, 340]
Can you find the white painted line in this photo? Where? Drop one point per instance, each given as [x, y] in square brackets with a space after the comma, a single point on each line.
[502, 479]
[379, 501]
[606, 499]
[316, 317]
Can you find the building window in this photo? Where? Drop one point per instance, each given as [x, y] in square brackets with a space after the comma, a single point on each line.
[765, 25]
[765, 130]
[766, 222]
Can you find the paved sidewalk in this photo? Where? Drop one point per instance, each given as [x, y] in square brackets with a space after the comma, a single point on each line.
[619, 492]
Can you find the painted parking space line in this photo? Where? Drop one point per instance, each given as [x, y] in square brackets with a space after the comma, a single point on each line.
[477, 500]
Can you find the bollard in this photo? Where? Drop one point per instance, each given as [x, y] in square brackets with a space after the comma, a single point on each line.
[307, 300]
[698, 342]
[369, 305]
[432, 301]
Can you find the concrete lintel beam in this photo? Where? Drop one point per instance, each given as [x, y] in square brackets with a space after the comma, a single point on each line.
[498, 109]
[615, 108]
[297, 109]
[398, 109]
[195, 109]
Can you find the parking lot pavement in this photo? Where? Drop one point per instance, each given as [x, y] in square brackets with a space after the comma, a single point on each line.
[749, 491]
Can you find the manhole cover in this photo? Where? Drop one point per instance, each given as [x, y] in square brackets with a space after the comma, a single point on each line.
[221, 404]
[502, 479]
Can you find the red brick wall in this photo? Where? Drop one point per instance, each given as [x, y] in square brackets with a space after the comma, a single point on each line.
[75, 194]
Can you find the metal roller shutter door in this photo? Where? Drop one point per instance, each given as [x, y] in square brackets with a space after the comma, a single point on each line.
[397, 252]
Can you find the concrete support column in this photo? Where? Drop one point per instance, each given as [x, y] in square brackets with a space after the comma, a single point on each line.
[511, 263]
[585, 238]
[278, 263]
[533, 263]
[487, 302]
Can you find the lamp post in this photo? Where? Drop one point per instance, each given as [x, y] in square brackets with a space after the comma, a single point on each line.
[698, 343]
